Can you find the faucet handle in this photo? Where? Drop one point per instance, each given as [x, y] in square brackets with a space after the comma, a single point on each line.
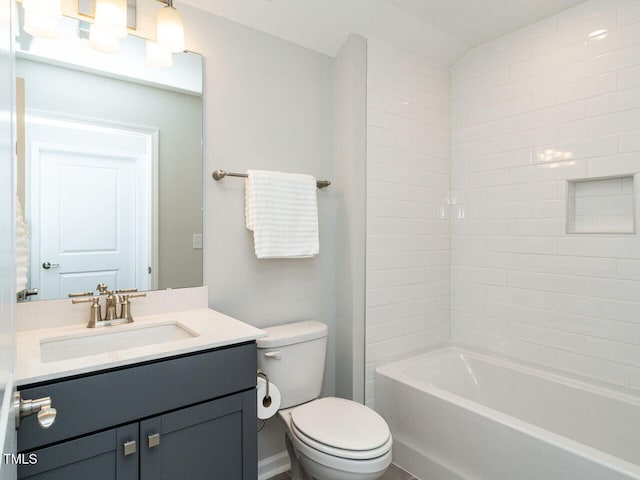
[95, 314]
[127, 290]
[125, 309]
[83, 294]
[126, 296]
[93, 300]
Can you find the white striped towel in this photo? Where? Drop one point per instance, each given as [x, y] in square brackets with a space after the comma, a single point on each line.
[282, 211]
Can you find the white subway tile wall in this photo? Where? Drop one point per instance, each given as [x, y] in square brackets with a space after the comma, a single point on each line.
[555, 101]
[408, 230]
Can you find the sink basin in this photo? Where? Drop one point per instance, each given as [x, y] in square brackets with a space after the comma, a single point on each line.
[111, 339]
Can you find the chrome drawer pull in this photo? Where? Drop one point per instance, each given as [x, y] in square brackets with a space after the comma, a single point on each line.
[42, 406]
[129, 448]
[154, 440]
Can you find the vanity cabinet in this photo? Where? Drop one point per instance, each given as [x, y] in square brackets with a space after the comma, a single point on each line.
[192, 416]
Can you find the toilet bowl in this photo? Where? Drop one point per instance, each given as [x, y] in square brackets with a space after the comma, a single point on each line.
[336, 439]
[327, 438]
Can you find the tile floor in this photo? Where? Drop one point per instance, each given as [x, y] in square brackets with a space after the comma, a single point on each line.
[393, 473]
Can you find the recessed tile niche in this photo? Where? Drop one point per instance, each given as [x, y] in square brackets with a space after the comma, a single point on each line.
[601, 205]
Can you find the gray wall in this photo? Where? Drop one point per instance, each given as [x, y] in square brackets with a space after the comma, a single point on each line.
[350, 108]
[7, 272]
[268, 105]
[177, 116]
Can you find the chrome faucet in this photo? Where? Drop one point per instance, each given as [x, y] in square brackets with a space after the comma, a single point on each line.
[112, 301]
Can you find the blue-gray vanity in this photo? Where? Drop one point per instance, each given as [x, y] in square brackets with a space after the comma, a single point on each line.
[173, 410]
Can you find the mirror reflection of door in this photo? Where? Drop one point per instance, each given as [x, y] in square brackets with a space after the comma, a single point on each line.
[90, 205]
[67, 81]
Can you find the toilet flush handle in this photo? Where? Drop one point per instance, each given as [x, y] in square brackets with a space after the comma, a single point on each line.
[276, 355]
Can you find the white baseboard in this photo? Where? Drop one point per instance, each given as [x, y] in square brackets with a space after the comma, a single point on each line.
[273, 465]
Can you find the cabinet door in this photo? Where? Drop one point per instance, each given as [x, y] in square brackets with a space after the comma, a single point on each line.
[209, 441]
[101, 456]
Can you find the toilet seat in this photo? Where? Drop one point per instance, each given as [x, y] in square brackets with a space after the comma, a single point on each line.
[341, 428]
[341, 453]
[347, 466]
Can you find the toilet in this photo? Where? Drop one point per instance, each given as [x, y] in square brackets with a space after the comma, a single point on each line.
[327, 438]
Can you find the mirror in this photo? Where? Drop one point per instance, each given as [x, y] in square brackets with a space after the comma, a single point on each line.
[109, 166]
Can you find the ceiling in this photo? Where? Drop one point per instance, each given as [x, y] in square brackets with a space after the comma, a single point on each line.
[461, 18]
[441, 30]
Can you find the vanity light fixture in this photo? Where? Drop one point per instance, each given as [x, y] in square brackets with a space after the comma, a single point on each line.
[109, 25]
[42, 18]
[111, 17]
[170, 28]
[102, 39]
[111, 20]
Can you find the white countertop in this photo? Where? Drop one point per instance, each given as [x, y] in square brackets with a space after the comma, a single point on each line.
[213, 329]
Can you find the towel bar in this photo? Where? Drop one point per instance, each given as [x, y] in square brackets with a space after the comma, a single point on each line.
[220, 174]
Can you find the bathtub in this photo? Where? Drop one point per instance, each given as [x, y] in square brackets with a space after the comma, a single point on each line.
[459, 414]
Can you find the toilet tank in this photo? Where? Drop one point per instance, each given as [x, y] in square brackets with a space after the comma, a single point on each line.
[292, 356]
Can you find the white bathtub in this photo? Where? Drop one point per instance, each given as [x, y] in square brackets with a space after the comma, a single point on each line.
[458, 414]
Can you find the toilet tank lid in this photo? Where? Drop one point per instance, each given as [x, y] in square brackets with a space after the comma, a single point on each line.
[291, 333]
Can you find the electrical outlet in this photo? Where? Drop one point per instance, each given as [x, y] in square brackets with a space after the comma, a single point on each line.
[197, 240]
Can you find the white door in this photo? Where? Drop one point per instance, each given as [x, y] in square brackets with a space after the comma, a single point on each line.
[90, 206]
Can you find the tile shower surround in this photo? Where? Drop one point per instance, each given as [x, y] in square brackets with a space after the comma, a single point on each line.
[408, 232]
[531, 110]
[526, 113]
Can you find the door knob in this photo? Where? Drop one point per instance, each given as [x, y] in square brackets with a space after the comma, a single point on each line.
[48, 265]
[24, 408]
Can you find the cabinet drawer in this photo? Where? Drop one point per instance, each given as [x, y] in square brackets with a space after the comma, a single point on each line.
[106, 399]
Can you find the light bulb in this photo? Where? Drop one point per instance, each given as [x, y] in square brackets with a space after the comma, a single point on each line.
[111, 16]
[158, 56]
[102, 40]
[170, 29]
[42, 18]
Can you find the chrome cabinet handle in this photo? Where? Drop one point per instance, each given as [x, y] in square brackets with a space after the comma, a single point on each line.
[48, 265]
[41, 406]
[129, 448]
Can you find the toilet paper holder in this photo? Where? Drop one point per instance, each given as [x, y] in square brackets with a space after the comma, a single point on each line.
[266, 401]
